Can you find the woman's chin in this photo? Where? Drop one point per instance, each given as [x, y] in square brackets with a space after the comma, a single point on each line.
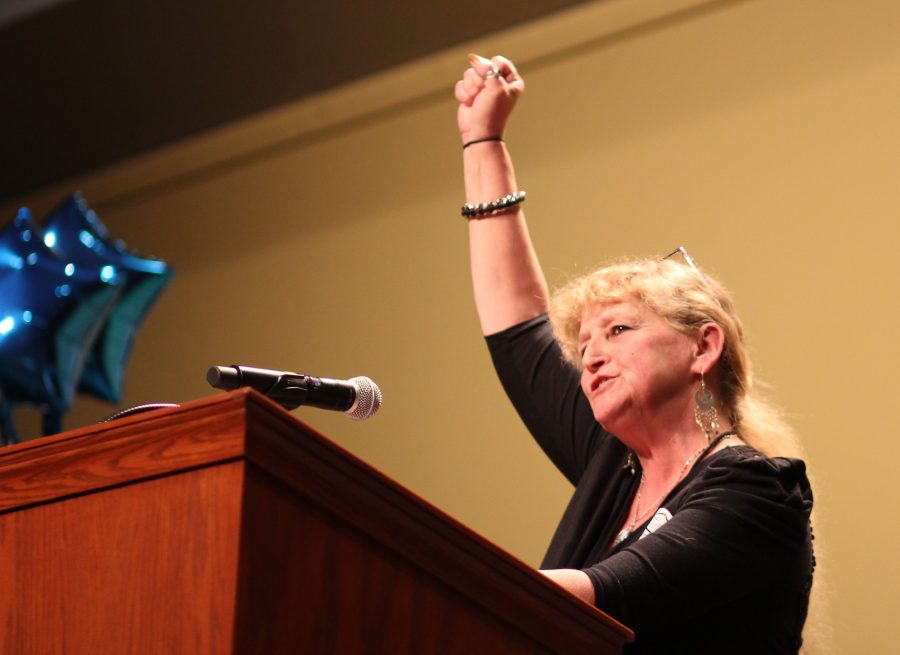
[609, 419]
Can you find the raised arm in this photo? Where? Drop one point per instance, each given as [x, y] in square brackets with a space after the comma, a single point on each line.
[507, 278]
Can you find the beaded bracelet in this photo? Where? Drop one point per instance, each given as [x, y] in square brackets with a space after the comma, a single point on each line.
[487, 138]
[493, 207]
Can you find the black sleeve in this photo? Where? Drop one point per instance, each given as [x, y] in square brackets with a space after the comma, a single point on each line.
[546, 392]
[744, 528]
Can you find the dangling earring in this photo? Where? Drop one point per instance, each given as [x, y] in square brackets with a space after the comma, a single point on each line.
[630, 464]
[705, 412]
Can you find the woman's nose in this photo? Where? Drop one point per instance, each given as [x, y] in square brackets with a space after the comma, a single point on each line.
[592, 358]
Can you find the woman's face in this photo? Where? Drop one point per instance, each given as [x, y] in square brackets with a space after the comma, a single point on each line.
[636, 367]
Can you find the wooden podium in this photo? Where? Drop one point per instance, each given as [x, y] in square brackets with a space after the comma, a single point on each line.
[227, 526]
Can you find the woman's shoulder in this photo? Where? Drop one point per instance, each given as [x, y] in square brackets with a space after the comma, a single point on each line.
[539, 324]
[744, 470]
[744, 458]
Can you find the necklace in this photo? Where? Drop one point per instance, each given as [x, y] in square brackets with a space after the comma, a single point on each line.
[628, 529]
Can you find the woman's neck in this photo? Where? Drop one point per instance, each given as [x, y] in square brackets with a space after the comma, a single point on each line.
[663, 453]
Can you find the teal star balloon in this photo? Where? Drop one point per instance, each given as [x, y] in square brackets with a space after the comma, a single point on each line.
[51, 313]
[78, 232]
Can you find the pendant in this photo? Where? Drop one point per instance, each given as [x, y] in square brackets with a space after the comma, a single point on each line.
[622, 536]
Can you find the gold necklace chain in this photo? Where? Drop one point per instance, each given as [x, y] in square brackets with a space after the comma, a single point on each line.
[627, 530]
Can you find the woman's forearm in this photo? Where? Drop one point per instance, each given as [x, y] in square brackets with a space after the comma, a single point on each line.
[507, 280]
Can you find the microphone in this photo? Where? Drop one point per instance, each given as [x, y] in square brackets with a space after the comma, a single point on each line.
[357, 397]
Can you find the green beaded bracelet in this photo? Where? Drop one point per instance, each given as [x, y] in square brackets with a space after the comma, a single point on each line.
[493, 207]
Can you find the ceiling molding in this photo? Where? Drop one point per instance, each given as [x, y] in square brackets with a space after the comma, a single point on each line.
[14, 11]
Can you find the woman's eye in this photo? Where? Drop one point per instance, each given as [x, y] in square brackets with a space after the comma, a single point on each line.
[618, 329]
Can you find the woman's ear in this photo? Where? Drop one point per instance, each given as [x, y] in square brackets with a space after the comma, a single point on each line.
[709, 346]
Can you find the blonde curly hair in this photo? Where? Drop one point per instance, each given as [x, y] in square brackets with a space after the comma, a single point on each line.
[686, 299]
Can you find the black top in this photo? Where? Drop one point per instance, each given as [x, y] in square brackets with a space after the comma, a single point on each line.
[725, 565]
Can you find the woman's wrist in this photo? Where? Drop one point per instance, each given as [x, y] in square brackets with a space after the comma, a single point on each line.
[484, 139]
[481, 132]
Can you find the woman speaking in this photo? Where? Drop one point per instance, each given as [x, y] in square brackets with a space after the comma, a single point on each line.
[690, 517]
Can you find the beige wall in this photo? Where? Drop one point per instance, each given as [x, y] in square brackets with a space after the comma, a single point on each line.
[325, 237]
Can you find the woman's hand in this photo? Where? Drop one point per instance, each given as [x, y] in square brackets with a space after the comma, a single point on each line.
[574, 581]
[485, 104]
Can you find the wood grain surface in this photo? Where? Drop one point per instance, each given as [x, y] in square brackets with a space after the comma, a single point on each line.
[227, 526]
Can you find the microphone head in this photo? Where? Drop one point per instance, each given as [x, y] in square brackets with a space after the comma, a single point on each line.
[223, 377]
[368, 399]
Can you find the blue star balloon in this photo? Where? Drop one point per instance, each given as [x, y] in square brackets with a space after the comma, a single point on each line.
[78, 232]
[51, 312]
